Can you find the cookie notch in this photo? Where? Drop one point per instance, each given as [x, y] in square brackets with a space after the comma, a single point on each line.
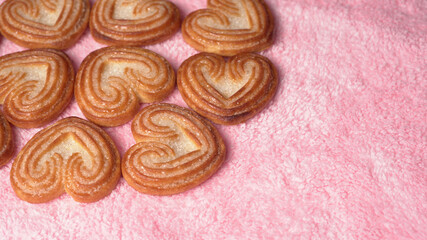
[6, 141]
[176, 150]
[72, 155]
[35, 86]
[227, 92]
[44, 23]
[230, 27]
[112, 82]
[133, 22]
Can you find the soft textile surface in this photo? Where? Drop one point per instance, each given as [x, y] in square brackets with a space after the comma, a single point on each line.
[340, 153]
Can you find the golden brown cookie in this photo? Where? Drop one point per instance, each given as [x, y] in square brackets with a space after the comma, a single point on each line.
[35, 86]
[72, 155]
[227, 92]
[176, 150]
[112, 81]
[229, 27]
[6, 141]
[133, 22]
[54, 24]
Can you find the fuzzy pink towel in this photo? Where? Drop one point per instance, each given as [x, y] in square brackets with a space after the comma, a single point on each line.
[340, 153]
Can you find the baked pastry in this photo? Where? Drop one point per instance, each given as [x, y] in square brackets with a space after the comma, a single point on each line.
[35, 86]
[133, 22]
[44, 23]
[230, 27]
[176, 150]
[72, 155]
[112, 81]
[227, 92]
[6, 141]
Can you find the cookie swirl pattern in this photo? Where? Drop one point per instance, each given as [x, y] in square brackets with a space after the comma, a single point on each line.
[227, 92]
[176, 150]
[44, 23]
[72, 155]
[6, 141]
[35, 86]
[111, 83]
[133, 22]
[230, 27]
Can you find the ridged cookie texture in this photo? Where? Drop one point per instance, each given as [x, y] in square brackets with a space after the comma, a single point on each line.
[72, 155]
[6, 141]
[133, 22]
[54, 24]
[35, 86]
[176, 150]
[229, 27]
[227, 92]
[112, 82]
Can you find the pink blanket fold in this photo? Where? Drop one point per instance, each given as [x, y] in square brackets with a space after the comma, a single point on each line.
[340, 152]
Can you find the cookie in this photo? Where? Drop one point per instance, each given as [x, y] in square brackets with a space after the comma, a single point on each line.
[227, 92]
[44, 23]
[6, 141]
[133, 22]
[230, 27]
[176, 150]
[35, 86]
[112, 82]
[72, 155]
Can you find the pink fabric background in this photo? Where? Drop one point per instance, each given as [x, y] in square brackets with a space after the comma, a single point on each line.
[340, 153]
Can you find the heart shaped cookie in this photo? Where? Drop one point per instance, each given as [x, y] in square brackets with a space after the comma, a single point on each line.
[133, 22]
[6, 141]
[176, 150]
[227, 92]
[111, 83]
[44, 23]
[230, 27]
[35, 86]
[72, 155]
